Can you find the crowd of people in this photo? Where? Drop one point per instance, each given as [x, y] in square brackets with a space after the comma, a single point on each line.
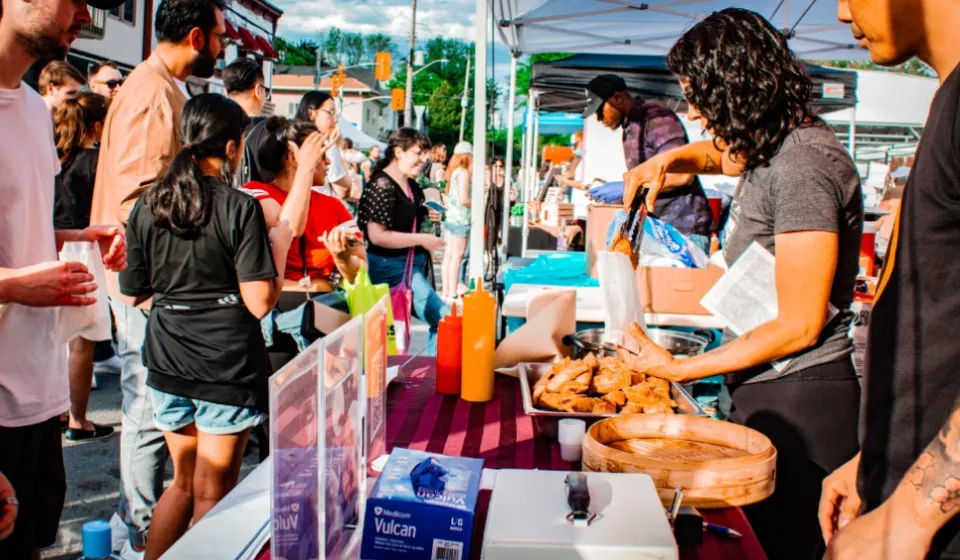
[220, 229]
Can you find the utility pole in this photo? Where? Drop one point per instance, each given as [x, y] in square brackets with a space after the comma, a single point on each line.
[463, 100]
[316, 81]
[408, 103]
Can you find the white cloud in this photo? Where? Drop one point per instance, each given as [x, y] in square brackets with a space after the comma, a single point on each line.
[312, 18]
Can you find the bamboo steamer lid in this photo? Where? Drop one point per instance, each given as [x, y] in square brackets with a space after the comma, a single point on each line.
[717, 464]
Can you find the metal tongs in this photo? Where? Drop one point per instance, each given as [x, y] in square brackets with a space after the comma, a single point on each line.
[632, 229]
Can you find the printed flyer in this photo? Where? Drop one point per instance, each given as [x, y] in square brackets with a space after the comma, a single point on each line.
[296, 408]
[344, 464]
[375, 372]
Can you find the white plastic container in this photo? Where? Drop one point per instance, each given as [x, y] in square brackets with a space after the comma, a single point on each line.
[570, 435]
[528, 510]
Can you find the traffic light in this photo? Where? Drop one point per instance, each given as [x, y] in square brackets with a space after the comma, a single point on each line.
[337, 81]
[398, 98]
[384, 62]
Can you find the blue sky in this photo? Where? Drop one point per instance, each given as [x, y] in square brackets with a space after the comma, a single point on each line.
[310, 19]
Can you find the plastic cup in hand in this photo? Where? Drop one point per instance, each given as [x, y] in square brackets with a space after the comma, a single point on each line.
[570, 435]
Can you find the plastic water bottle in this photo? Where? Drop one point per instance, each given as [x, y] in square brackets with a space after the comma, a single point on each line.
[96, 541]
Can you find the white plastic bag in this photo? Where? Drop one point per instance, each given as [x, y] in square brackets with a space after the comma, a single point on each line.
[661, 239]
[621, 299]
[92, 322]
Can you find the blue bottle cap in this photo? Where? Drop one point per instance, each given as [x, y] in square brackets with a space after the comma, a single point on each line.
[96, 540]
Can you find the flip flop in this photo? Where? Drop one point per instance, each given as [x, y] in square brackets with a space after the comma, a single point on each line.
[98, 432]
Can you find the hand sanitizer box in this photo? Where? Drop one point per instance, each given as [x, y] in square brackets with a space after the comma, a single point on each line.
[422, 508]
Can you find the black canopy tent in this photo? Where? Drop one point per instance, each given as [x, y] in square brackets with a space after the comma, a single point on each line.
[561, 84]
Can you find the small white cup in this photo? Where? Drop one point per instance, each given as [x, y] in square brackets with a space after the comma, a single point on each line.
[570, 435]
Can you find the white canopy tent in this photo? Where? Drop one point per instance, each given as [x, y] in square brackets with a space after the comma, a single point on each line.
[621, 27]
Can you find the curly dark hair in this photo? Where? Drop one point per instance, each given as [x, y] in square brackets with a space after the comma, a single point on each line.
[745, 80]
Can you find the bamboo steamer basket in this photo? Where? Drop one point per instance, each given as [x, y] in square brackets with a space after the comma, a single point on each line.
[717, 464]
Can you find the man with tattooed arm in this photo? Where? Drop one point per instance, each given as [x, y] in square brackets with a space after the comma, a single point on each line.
[899, 498]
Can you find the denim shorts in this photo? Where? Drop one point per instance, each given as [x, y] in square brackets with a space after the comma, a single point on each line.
[457, 230]
[173, 412]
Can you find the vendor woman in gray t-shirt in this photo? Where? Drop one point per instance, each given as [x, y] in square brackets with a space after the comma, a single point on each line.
[799, 197]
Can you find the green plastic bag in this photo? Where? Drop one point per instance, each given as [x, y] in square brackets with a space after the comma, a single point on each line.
[362, 295]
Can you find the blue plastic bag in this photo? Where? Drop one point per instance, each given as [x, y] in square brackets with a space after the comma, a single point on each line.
[557, 269]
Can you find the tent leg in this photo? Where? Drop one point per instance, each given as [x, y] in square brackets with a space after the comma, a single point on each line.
[479, 142]
[508, 180]
[853, 134]
[533, 160]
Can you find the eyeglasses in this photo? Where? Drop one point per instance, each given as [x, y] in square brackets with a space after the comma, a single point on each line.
[222, 37]
[112, 84]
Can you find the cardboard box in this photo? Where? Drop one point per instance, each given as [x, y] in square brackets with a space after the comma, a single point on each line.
[599, 217]
[556, 214]
[430, 518]
[675, 290]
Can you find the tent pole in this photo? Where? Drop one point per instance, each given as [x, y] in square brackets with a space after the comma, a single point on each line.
[508, 165]
[853, 134]
[479, 142]
[534, 160]
[527, 149]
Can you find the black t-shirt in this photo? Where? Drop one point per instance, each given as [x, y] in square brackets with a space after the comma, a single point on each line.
[384, 202]
[73, 194]
[250, 167]
[202, 341]
[911, 379]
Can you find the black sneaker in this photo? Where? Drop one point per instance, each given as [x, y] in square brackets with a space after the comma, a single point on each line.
[98, 432]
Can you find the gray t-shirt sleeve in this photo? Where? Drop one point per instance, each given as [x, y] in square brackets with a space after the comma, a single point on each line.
[806, 197]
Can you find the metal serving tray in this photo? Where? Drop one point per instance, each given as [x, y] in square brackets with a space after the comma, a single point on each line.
[547, 421]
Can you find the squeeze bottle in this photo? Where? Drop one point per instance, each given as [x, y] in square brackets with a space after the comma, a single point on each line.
[479, 341]
[450, 353]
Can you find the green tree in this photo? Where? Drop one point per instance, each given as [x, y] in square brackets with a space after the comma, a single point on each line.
[443, 111]
[525, 69]
[352, 44]
[303, 53]
[378, 42]
[333, 45]
[914, 67]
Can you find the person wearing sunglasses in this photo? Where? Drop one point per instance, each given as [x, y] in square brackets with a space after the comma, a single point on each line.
[650, 129]
[105, 79]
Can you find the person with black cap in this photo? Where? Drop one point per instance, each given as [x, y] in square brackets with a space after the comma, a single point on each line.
[650, 129]
[33, 283]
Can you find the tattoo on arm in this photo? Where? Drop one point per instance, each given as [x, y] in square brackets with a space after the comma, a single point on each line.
[936, 473]
[709, 165]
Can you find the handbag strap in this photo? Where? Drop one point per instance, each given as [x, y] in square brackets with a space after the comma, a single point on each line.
[303, 260]
[408, 269]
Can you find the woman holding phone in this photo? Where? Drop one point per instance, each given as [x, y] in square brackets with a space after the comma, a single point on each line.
[327, 244]
[390, 215]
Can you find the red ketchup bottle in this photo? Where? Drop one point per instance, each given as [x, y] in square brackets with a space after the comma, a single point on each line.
[449, 353]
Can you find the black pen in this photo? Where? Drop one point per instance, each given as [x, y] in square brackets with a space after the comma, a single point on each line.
[721, 531]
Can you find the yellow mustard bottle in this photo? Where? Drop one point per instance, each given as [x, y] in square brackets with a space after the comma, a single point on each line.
[479, 343]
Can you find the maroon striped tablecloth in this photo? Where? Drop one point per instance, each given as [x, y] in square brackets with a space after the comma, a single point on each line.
[501, 434]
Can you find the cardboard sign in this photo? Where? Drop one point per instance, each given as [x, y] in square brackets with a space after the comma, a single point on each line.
[375, 374]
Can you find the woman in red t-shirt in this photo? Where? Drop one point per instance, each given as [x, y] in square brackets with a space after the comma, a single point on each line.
[327, 243]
